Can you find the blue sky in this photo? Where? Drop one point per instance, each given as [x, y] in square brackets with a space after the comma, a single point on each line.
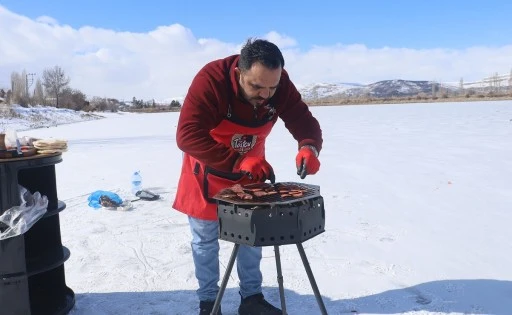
[152, 49]
[411, 24]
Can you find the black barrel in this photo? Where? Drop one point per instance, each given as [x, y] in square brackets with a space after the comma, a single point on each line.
[32, 275]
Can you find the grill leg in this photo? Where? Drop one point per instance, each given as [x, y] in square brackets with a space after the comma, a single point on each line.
[216, 306]
[280, 279]
[311, 279]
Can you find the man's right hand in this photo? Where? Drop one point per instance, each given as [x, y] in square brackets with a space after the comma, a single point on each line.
[256, 168]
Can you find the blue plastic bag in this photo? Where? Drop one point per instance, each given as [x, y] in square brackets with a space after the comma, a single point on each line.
[95, 198]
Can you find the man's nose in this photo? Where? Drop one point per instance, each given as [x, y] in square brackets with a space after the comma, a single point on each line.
[265, 93]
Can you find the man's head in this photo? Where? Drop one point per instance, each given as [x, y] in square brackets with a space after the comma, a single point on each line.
[259, 70]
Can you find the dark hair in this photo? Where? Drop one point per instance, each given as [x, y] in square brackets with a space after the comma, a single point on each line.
[262, 51]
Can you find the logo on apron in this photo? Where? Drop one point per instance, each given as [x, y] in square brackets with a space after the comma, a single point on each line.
[243, 143]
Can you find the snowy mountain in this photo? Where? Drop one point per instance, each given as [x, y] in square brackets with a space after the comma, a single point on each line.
[380, 89]
[321, 90]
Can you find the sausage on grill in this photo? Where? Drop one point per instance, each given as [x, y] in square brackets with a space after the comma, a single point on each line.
[260, 190]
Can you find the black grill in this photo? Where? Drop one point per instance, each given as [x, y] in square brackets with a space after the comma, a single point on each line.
[272, 219]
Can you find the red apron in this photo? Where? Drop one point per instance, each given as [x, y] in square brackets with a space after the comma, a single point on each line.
[199, 183]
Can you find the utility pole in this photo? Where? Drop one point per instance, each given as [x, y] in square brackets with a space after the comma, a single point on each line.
[497, 82]
[27, 84]
[510, 81]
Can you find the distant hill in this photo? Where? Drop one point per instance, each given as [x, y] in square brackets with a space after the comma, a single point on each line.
[380, 89]
[321, 90]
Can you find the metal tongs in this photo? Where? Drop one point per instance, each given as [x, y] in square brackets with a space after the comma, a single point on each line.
[302, 170]
[271, 176]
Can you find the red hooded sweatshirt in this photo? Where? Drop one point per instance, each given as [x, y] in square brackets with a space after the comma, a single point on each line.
[214, 113]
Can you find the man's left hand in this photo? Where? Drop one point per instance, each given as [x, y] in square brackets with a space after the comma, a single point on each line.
[307, 161]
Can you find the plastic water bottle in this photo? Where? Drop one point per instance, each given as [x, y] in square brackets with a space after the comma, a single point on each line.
[136, 182]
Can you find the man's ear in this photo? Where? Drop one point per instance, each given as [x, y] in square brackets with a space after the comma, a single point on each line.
[237, 74]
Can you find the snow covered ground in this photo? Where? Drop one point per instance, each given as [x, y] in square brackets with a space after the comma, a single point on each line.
[24, 118]
[417, 197]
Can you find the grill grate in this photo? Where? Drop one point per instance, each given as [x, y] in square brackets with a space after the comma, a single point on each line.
[309, 191]
[272, 219]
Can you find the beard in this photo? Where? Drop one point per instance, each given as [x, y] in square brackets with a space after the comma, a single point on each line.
[253, 100]
[259, 100]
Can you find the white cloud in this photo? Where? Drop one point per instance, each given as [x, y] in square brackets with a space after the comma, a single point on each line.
[47, 20]
[280, 40]
[161, 63]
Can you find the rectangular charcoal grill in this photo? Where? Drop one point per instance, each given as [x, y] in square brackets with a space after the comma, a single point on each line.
[272, 219]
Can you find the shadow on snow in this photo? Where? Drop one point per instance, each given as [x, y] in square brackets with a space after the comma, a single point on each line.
[475, 296]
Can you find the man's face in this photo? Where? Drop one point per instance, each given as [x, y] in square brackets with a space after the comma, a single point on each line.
[259, 83]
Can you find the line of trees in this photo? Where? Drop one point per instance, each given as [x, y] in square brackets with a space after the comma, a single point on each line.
[53, 89]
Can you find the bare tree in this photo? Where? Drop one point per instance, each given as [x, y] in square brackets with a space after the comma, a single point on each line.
[99, 103]
[73, 99]
[54, 80]
[39, 93]
[18, 88]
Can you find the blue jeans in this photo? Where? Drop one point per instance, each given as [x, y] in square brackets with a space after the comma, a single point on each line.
[205, 251]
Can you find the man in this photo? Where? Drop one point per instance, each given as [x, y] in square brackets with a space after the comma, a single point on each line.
[230, 108]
